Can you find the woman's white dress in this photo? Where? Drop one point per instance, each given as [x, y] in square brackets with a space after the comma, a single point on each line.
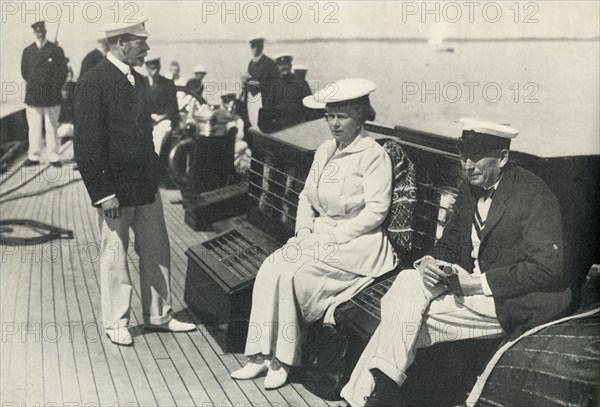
[347, 195]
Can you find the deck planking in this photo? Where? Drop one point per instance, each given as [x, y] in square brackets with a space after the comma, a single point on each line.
[51, 297]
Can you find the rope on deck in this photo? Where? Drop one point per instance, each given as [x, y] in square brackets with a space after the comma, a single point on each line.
[46, 231]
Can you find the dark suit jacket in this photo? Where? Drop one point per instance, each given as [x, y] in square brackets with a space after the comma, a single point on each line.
[162, 98]
[521, 251]
[113, 137]
[265, 72]
[91, 60]
[45, 71]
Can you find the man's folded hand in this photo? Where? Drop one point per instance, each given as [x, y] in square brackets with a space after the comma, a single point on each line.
[111, 208]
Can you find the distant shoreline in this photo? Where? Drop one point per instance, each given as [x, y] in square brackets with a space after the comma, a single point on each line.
[408, 40]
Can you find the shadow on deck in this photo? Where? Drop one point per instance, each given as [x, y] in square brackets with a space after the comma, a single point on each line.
[53, 349]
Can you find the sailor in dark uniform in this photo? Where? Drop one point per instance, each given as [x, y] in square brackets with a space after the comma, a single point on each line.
[262, 71]
[94, 57]
[288, 92]
[44, 68]
[162, 103]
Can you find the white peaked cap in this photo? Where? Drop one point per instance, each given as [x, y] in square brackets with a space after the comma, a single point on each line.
[199, 68]
[491, 128]
[121, 28]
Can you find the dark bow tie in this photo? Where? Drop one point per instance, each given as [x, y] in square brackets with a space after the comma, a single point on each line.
[484, 193]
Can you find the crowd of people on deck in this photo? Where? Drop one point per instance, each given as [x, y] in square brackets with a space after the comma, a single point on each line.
[271, 85]
[118, 131]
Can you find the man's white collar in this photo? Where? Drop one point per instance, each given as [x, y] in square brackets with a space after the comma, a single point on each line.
[123, 67]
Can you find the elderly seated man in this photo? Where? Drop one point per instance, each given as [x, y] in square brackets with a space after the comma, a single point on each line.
[162, 103]
[497, 270]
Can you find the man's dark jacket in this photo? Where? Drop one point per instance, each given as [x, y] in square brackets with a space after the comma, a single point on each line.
[162, 98]
[521, 251]
[92, 59]
[113, 137]
[45, 71]
[265, 72]
[288, 92]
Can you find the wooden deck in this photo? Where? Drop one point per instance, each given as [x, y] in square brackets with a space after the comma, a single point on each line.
[53, 348]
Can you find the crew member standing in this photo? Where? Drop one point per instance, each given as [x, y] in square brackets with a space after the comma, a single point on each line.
[262, 72]
[115, 154]
[288, 92]
[162, 103]
[44, 68]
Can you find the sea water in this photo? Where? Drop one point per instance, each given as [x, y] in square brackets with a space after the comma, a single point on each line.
[548, 90]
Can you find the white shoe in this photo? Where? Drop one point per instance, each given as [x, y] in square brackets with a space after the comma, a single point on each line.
[120, 336]
[172, 326]
[251, 370]
[277, 375]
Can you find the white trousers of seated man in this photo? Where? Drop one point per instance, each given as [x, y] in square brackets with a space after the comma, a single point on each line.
[152, 247]
[159, 133]
[414, 317]
[39, 117]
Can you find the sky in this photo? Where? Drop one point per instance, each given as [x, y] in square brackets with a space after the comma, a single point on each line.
[280, 20]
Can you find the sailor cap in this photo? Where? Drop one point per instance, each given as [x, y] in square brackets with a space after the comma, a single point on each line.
[100, 36]
[38, 25]
[138, 29]
[484, 136]
[256, 39]
[199, 69]
[284, 58]
[302, 68]
[345, 91]
[152, 60]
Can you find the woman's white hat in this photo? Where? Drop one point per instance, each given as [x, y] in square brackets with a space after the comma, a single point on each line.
[339, 91]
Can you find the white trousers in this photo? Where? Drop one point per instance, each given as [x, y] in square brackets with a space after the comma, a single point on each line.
[159, 132]
[152, 247]
[37, 117]
[414, 317]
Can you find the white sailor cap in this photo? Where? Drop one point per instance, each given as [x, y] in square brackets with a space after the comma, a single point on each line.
[199, 69]
[100, 36]
[138, 29]
[303, 68]
[345, 91]
[482, 136]
[283, 58]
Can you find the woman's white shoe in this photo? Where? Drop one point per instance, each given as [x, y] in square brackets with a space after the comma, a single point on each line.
[251, 370]
[277, 375]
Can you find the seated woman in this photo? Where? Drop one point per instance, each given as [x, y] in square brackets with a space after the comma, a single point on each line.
[339, 241]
